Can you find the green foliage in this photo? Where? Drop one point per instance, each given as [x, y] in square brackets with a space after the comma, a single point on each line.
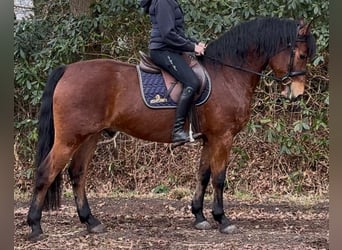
[124, 28]
[161, 189]
[295, 131]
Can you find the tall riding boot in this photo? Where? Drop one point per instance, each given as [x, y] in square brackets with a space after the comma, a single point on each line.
[183, 108]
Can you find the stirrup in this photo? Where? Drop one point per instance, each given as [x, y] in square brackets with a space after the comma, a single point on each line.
[180, 143]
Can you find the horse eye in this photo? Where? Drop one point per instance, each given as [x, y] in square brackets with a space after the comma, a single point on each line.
[302, 56]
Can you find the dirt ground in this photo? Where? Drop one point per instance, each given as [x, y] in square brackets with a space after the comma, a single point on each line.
[161, 223]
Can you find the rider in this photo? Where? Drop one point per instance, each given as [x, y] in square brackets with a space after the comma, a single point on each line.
[167, 43]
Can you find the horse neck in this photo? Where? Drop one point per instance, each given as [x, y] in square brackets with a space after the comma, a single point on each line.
[255, 64]
[249, 80]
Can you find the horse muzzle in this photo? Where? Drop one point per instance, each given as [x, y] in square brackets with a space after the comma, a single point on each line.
[293, 89]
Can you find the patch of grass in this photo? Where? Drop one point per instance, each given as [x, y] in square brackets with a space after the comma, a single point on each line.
[68, 194]
[242, 195]
[161, 189]
[180, 193]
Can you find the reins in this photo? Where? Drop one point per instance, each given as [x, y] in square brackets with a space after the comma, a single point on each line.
[272, 77]
[285, 80]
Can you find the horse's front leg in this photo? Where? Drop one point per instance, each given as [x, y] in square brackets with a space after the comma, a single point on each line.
[202, 183]
[78, 173]
[220, 150]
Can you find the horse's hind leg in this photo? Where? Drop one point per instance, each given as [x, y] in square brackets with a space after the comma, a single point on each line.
[203, 178]
[47, 171]
[78, 173]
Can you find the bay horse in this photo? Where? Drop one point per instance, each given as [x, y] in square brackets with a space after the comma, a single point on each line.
[83, 99]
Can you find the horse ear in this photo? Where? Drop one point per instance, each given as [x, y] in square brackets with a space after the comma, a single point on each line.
[308, 27]
[304, 28]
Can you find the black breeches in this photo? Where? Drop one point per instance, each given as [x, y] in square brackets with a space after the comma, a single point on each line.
[175, 64]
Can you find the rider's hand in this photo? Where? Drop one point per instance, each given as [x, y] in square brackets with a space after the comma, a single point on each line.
[200, 48]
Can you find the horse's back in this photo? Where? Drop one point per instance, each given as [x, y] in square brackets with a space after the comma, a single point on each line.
[100, 65]
[97, 73]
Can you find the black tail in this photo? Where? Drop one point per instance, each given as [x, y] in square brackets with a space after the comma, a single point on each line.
[46, 133]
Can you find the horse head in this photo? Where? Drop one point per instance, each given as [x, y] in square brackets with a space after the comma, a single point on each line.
[290, 63]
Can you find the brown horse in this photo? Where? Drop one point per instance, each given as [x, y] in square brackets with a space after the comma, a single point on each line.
[83, 99]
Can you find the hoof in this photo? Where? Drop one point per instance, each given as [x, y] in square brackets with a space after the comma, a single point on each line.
[100, 228]
[36, 236]
[204, 225]
[230, 229]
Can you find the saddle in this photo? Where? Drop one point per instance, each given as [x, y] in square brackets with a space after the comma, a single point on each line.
[173, 88]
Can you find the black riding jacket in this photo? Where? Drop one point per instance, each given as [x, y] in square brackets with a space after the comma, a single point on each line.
[167, 32]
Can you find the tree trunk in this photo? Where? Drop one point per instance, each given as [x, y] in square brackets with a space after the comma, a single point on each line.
[80, 7]
[40, 7]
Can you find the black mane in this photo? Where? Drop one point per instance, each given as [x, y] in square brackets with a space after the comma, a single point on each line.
[266, 35]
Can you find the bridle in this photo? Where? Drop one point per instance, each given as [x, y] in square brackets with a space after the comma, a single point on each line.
[290, 73]
[285, 79]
